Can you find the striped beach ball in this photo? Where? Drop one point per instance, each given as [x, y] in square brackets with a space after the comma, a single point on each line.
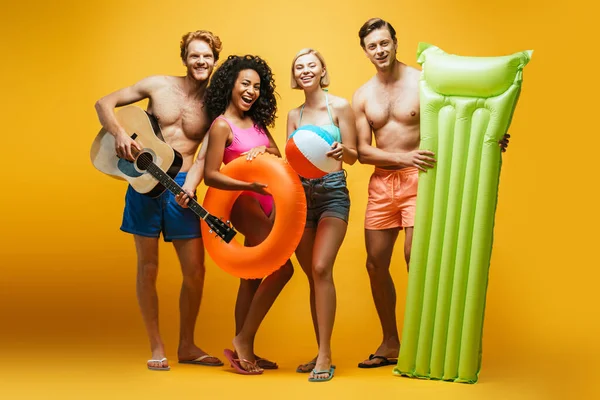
[306, 152]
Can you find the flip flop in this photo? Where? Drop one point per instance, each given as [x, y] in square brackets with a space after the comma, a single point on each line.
[236, 363]
[167, 368]
[199, 361]
[301, 370]
[385, 362]
[331, 372]
[313, 363]
[269, 364]
[266, 364]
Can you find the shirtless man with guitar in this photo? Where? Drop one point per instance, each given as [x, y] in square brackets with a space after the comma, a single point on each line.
[176, 107]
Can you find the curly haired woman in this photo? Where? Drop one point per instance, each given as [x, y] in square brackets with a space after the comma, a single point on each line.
[241, 102]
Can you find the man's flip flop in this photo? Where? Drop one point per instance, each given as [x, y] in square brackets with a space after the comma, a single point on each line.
[385, 362]
[167, 368]
[331, 372]
[236, 363]
[199, 361]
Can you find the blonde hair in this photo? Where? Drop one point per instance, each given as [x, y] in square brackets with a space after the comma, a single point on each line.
[212, 40]
[324, 79]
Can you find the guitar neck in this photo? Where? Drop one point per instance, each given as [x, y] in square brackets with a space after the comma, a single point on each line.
[174, 188]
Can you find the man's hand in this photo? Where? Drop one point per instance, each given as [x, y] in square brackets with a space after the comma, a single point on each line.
[420, 159]
[504, 142]
[123, 145]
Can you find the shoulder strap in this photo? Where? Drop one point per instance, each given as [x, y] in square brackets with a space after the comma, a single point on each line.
[327, 104]
[231, 127]
[301, 111]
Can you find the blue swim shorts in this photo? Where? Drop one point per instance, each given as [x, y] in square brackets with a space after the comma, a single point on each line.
[146, 216]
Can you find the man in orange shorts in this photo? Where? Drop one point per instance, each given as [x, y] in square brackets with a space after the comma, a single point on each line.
[387, 107]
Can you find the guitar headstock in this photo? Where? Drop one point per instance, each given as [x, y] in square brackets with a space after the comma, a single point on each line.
[222, 229]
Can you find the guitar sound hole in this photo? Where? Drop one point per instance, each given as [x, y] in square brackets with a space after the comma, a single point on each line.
[143, 161]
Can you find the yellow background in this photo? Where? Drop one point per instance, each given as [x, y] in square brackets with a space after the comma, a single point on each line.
[69, 322]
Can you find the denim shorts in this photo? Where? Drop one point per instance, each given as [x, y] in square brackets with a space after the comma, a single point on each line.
[146, 216]
[326, 197]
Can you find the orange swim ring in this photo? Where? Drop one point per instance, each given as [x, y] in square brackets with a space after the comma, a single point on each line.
[290, 205]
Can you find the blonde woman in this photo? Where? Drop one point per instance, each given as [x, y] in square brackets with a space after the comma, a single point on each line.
[327, 198]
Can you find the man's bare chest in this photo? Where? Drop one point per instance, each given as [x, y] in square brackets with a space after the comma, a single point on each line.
[180, 117]
[398, 107]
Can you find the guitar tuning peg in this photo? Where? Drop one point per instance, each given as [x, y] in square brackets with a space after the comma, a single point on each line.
[210, 231]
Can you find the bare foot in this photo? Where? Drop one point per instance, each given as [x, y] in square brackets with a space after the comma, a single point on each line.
[158, 361]
[307, 367]
[193, 352]
[265, 364]
[245, 354]
[323, 365]
[385, 351]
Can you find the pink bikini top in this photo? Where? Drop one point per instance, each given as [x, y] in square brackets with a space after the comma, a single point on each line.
[243, 140]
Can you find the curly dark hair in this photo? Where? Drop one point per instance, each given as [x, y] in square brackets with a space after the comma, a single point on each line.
[218, 93]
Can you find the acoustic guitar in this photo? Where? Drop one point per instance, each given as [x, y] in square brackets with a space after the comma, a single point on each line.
[154, 167]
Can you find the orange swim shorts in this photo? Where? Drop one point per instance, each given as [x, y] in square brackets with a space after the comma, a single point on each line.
[392, 199]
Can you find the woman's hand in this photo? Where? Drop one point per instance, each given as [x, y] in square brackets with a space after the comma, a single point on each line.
[337, 151]
[184, 197]
[255, 152]
[258, 188]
